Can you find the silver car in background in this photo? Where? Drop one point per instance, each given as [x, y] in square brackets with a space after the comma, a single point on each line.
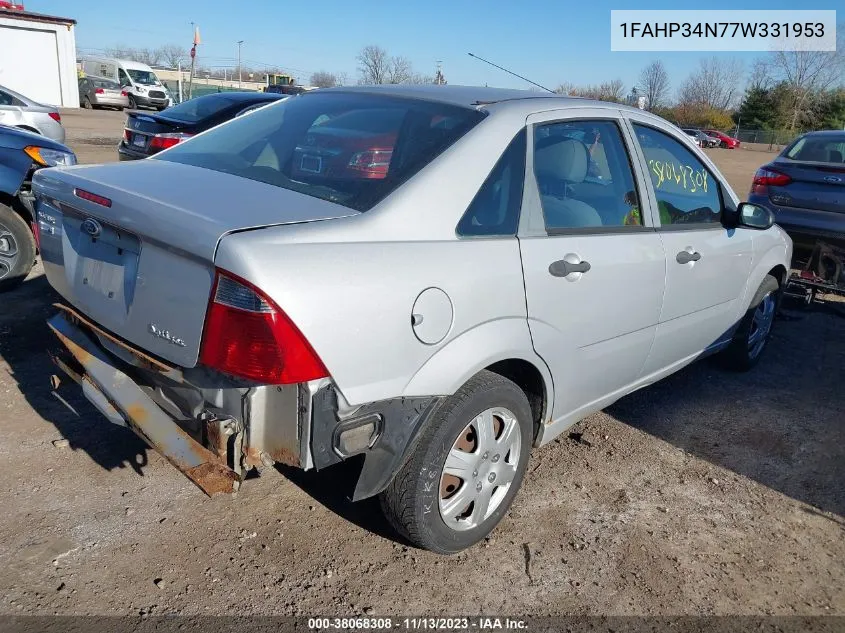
[19, 111]
[433, 278]
[101, 92]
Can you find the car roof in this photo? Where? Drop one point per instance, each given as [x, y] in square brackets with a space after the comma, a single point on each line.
[825, 133]
[470, 96]
[18, 95]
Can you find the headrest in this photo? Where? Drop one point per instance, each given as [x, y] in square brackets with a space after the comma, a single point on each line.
[567, 159]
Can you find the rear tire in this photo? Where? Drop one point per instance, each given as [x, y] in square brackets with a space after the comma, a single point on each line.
[86, 103]
[132, 104]
[478, 437]
[17, 249]
[752, 336]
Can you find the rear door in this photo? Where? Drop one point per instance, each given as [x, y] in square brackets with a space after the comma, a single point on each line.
[594, 266]
[707, 265]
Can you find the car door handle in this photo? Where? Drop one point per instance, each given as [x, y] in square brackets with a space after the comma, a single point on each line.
[562, 268]
[685, 257]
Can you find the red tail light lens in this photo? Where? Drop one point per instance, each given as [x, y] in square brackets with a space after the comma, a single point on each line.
[765, 178]
[55, 116]
[99, 91]
[163, 141]
[249, 336]
[372, 163]
[123, 93]
[92, 197]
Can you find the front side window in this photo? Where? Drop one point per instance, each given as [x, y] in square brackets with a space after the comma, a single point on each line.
[124, 78]
[495, 208]
[686, 191]
[584, 176]
[349, 148]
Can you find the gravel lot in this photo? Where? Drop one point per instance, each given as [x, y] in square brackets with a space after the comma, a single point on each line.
[709, 493]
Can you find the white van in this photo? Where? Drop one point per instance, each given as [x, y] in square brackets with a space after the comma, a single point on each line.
[139, 80]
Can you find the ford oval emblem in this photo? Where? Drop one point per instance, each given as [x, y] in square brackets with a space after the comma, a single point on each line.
[832, 179]
[92, 227]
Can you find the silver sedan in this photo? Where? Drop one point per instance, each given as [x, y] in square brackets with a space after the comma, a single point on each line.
[434, 278]
[19, 111]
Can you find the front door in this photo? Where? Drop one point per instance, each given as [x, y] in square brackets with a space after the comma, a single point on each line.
[707, 264]
[594, 266]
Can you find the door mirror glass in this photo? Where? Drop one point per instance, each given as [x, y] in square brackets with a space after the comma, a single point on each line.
[754, 216]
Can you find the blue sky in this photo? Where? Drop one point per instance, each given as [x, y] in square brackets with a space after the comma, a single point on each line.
[548, 41]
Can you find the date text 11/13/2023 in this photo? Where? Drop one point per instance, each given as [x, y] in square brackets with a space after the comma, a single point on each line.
[416, 623]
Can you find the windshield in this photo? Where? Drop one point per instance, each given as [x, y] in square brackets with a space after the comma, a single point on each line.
[197, 109]
[107, 84]
[350, 148]
[143, 77]
[828, 149]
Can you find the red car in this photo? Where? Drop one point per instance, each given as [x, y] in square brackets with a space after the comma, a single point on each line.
[727, 141]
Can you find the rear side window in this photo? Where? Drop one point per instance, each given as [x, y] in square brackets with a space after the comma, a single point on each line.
[8, 100]
[686, 191]
[820, 150]
[495, 208]
[584, 176]
[352, 149]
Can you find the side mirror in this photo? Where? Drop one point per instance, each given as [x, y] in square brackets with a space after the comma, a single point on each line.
[754, 216]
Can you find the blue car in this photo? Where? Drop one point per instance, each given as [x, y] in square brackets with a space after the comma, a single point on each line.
[21, 154]
[805, 188]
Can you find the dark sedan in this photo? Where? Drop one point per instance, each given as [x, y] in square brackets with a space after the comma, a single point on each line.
[148, 133]
[805, 188]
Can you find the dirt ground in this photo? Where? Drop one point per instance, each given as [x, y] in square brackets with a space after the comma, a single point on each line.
[709, 493]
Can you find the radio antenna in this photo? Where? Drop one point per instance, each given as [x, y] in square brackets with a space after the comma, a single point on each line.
[533, 83]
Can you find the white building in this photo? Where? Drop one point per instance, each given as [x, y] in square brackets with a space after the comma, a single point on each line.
[38, 57]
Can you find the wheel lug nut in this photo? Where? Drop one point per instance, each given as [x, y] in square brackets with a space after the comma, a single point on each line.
[495, 458]
[491, 477]
[475, 473]
[478, 486]
[485, 456]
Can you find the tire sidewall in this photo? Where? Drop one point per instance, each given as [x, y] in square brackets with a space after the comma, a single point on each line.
[444, 431]
[16, 225]
[742, 360]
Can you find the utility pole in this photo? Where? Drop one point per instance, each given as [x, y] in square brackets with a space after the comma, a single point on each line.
[239, 63]
[193, 58]
[438, 78]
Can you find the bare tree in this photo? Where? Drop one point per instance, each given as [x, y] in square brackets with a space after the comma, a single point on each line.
[374, 65]
[567, 88]
[760, 77]
[715, 84]
[173, 54]
[807, 73]
[654, 84]
[400, 71]
[324, 79]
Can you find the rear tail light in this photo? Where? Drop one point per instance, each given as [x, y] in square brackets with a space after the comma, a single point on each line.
[36, 233]
[249, 336]
[92, 197]
[99, 91]
[163, 141]
[766, 177]
[123, 93]
[371, 163]
[55, 116]
[127, 135]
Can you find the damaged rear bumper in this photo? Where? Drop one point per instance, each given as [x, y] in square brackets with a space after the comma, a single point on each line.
[214, 429]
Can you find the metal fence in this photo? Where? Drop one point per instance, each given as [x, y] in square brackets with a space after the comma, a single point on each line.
[197, 90]
[766, 137]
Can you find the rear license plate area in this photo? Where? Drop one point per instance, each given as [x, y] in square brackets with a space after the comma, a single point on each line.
[139, 140]
[100, 261]
[311, 164]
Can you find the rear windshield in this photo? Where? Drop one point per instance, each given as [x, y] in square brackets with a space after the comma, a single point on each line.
[829, 149]
[106, 84]
[194, 110]
[352, 149]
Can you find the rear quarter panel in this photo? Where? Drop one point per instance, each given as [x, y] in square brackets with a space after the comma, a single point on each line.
[353, 301]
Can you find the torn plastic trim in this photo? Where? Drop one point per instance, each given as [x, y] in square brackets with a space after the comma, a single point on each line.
[400, 422]
[142, 414]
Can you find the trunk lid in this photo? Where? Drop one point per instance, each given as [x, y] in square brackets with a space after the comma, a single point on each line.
[818, 186]
[143, 268]
[141, 127]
